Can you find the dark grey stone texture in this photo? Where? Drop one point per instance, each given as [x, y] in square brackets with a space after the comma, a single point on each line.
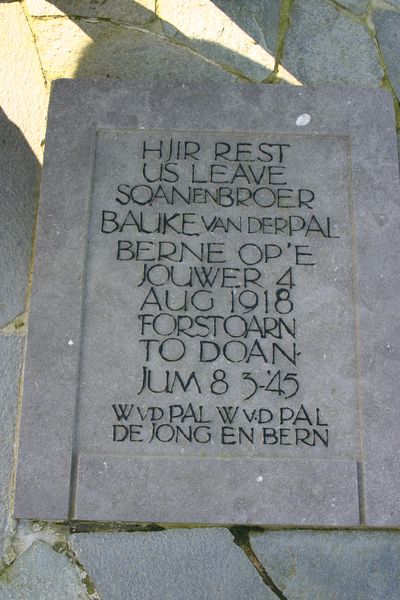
[331, 565]
[259, 19]
[387, 25]
[314, 440]
[40, 573]
[356, 6]
[324, 47]
[19, 173]
[169, 565]
[10, 361]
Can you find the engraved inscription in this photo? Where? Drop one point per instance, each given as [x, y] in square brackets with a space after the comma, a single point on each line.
[208, 265]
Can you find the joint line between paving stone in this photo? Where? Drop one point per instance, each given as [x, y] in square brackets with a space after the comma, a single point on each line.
[284, 24]
[28, 17]
[357, 18]
[223, 66]
[13, 480]
[86, 580]
[173, 42]
[241, 539]
[385, 81]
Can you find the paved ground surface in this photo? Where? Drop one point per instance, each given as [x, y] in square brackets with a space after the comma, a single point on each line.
[299, 42]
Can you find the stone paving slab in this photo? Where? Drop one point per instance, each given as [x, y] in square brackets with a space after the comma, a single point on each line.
[240, 35]
[23, 90]
[10, 361]
[19, 171]
[356, 6]
[331, 565]
[325, 47]
[104, 50]
[40, 573]
[200, 564]
[387, 25]
[209, 484]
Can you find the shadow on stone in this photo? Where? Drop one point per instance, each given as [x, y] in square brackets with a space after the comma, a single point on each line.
[122, 49]
[19, 170]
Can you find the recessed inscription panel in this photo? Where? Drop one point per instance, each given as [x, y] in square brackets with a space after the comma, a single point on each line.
[215, 262]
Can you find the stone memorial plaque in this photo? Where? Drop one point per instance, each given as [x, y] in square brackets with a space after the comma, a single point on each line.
[214, 328]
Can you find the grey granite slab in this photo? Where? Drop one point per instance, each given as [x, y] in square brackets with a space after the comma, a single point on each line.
[11, 362]
[40, 573]
[357, 6]
[240, 35]
[116, 53]
[321, 492]
[169, 565]
[387, 24]
[323, 46]
[331, 565]
[213, 334]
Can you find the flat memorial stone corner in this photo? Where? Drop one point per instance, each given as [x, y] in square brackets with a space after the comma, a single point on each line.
[214, 325]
